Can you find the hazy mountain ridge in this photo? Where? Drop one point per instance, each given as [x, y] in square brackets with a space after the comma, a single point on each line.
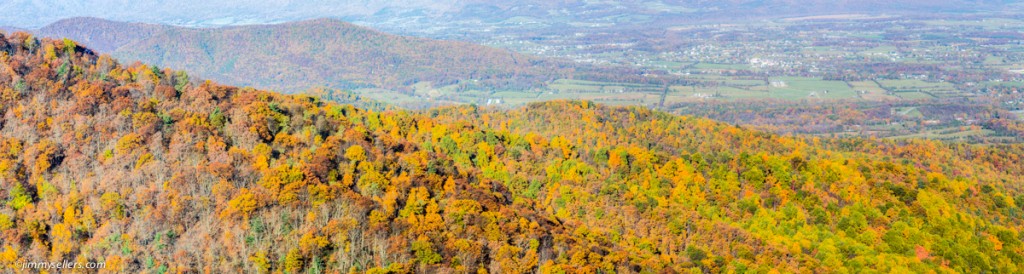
[306, 54]
[101, 35]
[36, 13]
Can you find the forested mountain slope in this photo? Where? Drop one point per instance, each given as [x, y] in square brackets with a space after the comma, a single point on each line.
[101, 35]
[297, 56]
[145, 170]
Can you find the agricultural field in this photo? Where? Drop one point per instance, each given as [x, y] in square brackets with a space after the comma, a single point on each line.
[787, 76]
[911, 112]
[869, 90]
[795, 88]
[711, 66]
[581, 86]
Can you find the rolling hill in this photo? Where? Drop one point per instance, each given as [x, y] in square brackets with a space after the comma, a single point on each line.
[143, 170]
[318, 53]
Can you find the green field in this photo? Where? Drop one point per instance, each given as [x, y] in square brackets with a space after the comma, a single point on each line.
[914, 95]
[871, 91]
[917, 85]
[882, 50]
[710, 66]
[795, 88]
[581, 86]
[911, 112]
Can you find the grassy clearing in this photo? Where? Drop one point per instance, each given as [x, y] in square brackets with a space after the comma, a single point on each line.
[795, 88]
[668, 64]
[911, 112]
[914, 95]
[871, 91]
[882, 50]
[711, 66]
[576, 86]
[744, 82]
[917, 85]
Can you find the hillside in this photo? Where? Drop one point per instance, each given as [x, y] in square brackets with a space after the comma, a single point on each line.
[307, 54]
[102, 35]
[143, 170]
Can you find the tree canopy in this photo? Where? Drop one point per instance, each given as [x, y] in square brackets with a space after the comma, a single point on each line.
[145, 169]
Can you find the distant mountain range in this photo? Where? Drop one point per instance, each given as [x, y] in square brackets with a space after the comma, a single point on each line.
[333, 53]
[36, 13]
[300, 55]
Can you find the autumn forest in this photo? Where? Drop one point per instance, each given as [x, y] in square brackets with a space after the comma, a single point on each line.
[147, 169]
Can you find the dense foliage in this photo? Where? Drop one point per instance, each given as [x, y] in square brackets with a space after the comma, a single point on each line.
[146, 170]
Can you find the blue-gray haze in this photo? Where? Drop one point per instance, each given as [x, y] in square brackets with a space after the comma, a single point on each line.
[31, 14]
